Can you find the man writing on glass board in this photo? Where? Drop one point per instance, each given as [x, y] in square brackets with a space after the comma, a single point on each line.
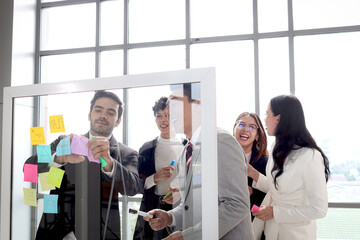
[116, 173]
[233, 196]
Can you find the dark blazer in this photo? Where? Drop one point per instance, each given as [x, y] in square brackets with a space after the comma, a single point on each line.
[257, 196]
[56, 226]
[150, 200]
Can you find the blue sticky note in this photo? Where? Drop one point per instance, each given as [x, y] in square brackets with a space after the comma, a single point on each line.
[50, 203]
[44, 153]
[63, 148]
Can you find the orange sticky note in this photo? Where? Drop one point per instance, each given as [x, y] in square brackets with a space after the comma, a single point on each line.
[55, 176]
[37, 135]
[31, 173]
[57, 124]
[30, 197]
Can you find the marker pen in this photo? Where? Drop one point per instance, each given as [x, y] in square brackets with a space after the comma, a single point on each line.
[141, 213]
[172, 164]
[168, 194]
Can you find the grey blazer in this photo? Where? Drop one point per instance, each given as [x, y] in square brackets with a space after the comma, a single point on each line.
[233, 195]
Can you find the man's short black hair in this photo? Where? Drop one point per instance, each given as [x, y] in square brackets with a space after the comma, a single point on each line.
[106, 94]
[191, 90]
[160, 105]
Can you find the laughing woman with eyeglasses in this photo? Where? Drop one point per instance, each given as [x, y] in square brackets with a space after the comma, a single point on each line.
[249, 132]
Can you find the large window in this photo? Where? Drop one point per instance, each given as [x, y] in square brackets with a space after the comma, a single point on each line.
[260, 48]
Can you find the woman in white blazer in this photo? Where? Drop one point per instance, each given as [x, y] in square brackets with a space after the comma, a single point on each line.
[296, 176]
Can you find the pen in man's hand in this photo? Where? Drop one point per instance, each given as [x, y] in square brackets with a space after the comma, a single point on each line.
[172, 164]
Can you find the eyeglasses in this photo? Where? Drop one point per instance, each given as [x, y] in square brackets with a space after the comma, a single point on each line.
[252, 127]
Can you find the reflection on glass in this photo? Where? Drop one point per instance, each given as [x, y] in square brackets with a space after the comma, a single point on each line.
[67, 67]
[273, 71]
[56, 218]
[234, 63]
[157, 168]
[159, 125]
[184, 108]
[156, 20]
[185, 117]
[68, 26]
[145, 60]
[220, 17]
[326, 66]
[112, 22]
[272, 15]
[111, 63]
[325, 13]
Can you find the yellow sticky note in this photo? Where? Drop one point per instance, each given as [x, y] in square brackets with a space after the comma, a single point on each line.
[30, 197]
[43, 182]
[37, 135]
[55, 176]
[57, 124]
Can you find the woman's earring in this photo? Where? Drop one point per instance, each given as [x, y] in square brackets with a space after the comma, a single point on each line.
[257, 146]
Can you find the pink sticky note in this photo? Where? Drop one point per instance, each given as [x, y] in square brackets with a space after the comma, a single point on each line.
[31, 173]
[254, 208]
[79, 145]
[91, 157]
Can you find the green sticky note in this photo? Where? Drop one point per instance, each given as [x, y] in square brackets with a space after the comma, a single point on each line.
[55, 176]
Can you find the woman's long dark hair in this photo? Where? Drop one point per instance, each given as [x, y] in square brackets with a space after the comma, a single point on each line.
[291, 132]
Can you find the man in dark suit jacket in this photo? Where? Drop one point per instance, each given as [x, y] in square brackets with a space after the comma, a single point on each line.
[86, 186]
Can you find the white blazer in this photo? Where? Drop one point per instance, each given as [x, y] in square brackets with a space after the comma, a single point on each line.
[300, 197]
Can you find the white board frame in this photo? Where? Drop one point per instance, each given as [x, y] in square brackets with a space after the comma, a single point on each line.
[206, 77]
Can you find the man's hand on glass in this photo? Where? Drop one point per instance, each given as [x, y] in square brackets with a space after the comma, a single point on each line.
[72, 158]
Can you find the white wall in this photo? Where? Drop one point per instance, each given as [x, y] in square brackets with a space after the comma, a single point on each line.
[17, 22]
[6, 15]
